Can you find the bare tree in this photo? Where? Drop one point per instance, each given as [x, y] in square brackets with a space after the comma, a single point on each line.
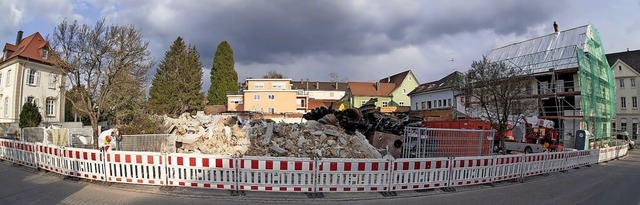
[273, 75]
[100, 61]
[497, 93]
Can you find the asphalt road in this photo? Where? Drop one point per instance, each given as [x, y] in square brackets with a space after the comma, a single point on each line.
[615, 182]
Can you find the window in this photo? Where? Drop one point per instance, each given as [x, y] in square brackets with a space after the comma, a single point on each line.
[53, 78]
[33, 77]
[416, 105]
[429, 105]
[363, 102]
[50, 106]
[619, 67]
[271, 110]
[278, 86]
[634, 130]
[6, 106]
[258, 85]
[404, 91]
[444, 103]
[8, 77]
[623, 102]
[331, 94]
[401, 103]
[544, 87]
[634, 102]
[385, 104]
[271, 97]
[31, 99]
[623, 126]
[614, 126]
[622, 83]
[256, 97]
[633, 82]
[44, 53]
[439, 103]
[423, 106]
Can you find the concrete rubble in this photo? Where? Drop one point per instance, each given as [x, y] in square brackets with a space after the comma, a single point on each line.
[231, 135]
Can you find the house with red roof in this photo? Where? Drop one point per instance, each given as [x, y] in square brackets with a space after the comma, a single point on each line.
[27, 74]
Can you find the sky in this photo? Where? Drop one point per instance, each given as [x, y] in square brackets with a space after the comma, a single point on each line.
[357, 39]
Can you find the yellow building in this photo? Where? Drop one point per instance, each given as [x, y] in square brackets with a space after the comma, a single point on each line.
[268, 96]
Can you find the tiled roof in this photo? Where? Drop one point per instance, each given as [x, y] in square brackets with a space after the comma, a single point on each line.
[631, 58]
[322, 103]
[369, 89]
[446, 82]
[29, 48]
[397, 78]
[325, 86]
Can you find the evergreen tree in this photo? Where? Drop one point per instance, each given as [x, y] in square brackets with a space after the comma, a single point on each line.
[224, 78]
[176, 86]
[29, 116]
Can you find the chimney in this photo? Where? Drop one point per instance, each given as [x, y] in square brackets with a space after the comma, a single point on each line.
[317, 85]
[19, 37]
[337, 85]
[388, 79]
[377, 86]
[555, 27]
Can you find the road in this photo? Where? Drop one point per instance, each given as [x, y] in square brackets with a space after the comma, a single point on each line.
[614, 182]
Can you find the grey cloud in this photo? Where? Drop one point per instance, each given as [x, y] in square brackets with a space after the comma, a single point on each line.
[280, 31]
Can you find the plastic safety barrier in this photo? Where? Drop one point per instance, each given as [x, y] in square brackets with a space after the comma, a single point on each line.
[51, 158]
[416, 174]
[276, 174]
[294, 174]
[135, 167]
[353, 175]
[84, 163]
[202, 171]
[471, 170]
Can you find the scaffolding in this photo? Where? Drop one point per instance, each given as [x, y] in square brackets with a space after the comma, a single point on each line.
[573, 79]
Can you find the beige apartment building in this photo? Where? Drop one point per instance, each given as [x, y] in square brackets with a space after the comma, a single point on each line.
[268, 96]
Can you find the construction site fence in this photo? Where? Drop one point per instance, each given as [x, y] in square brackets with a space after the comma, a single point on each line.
[294, 174]
[421, 142]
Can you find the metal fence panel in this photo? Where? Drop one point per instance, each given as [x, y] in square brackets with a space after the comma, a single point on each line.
[353, 175]
[164, 143]
[416, 174]
[80, 137]
[202, 171]
[276, 174]
[50, 158]
[33, 134]
[421, 142]
[556, 161]
[534, 164]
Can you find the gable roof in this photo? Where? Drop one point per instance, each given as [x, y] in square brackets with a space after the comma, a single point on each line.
[28, 48]
[555, 50]
[318, 86]
[369, 89]
[631, 58]
[397, 78]
[446, 82]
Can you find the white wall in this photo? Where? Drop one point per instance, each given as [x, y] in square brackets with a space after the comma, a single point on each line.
[326, 95]
[431, 96]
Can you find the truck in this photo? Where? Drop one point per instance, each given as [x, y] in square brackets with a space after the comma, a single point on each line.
[531, 136]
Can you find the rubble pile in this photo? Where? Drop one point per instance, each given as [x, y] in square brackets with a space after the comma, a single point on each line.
[232, 135]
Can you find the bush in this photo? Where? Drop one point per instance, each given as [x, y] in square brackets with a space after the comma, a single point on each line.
[29, 116]
[144, 124]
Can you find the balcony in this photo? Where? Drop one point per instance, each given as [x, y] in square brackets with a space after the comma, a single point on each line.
[302, 93]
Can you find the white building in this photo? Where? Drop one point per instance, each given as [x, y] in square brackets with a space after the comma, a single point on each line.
[626, 69]
[27, 75]
[439, 100]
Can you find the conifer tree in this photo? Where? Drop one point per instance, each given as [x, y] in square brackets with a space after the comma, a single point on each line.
[224, 78]
[29, 116]
[176, 86]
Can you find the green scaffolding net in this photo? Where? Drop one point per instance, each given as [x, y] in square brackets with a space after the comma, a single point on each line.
[597, 89]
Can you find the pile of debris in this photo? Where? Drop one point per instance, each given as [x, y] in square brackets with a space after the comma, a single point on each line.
[232, 135]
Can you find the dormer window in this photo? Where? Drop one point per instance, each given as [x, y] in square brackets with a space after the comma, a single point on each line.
[44, 53]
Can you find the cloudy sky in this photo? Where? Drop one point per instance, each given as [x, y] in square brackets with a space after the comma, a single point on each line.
[359, 40]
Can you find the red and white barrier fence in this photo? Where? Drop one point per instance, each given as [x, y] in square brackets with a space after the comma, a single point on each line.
[416, 174]
[276, 174]
[202, 171]
[135, 167]
[353, 175]
[294, 174]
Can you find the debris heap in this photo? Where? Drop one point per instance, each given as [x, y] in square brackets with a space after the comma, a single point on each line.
[232, 135]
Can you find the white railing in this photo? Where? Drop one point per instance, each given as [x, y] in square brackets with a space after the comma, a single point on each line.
[294, 174]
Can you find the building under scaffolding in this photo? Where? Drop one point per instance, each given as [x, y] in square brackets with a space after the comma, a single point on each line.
[574, 84]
